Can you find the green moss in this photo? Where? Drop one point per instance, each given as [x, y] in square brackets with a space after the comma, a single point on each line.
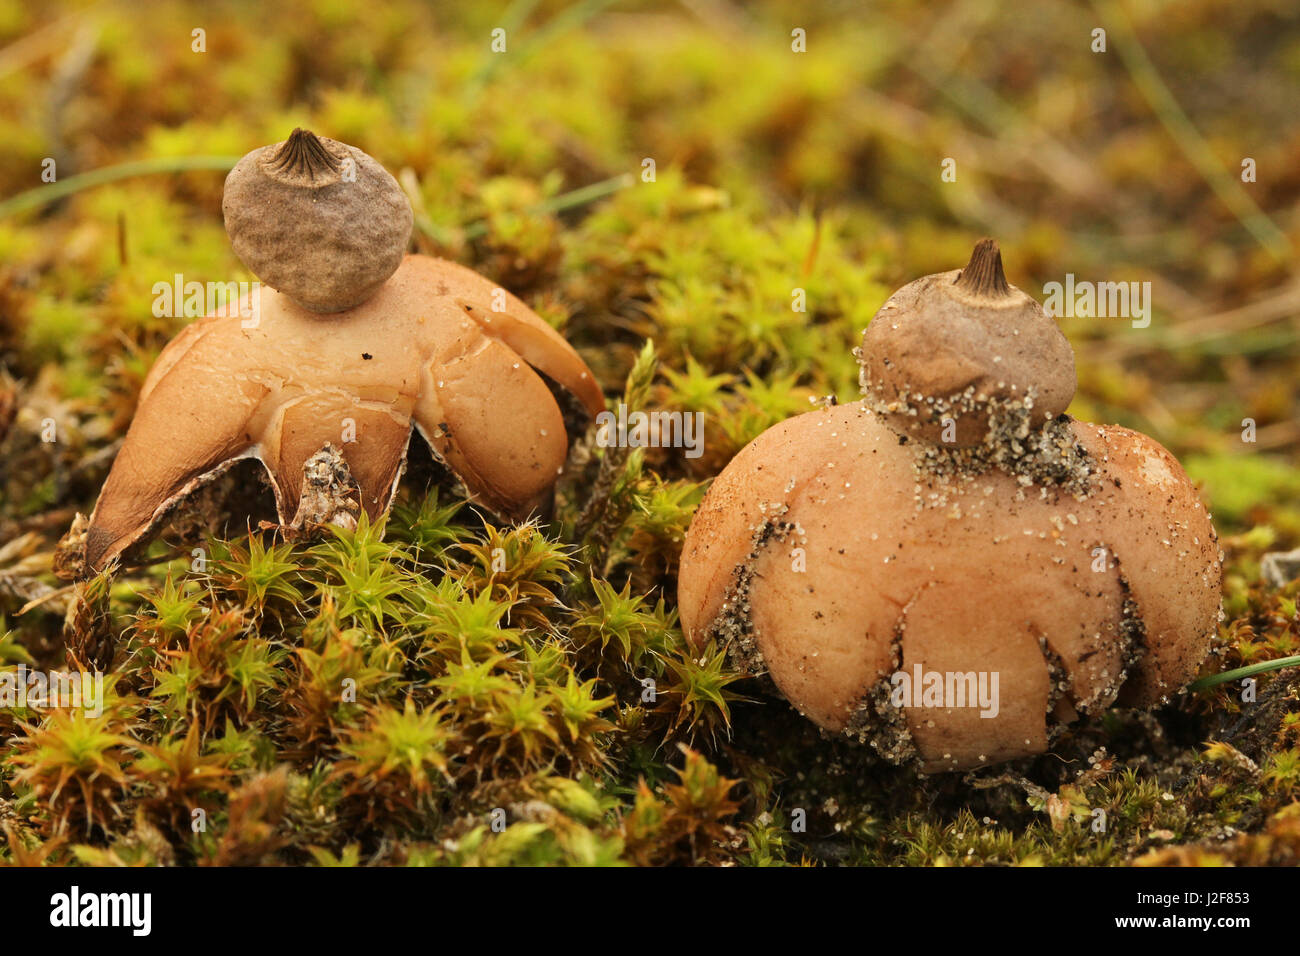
[437, 690]
[1238, 486]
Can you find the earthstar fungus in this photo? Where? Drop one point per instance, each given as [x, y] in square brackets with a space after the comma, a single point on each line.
[355, 344]
[955, 522]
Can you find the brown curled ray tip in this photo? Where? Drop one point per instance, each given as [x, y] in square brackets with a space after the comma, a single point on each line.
[495, 392]
[953, 596]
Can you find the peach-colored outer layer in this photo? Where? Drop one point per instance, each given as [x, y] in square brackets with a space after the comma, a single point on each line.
[981, 578]
[428, 350]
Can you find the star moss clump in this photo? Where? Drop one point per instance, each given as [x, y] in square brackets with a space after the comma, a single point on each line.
[393, 686]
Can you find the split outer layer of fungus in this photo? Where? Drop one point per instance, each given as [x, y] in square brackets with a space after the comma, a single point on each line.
[847, 546]
[354, 345]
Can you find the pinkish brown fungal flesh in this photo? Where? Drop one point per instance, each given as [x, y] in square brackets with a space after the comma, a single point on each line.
[839, 549]
[961, 347]
[280, 382]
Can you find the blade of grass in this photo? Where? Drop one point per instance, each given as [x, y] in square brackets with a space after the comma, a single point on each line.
[1215, 679]
[936, 58]
[570, 200]
[511, 21]
[567, 19]
[42, 195]
[1184, 132]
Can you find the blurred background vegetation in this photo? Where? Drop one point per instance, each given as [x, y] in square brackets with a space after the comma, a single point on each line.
[774, 170]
